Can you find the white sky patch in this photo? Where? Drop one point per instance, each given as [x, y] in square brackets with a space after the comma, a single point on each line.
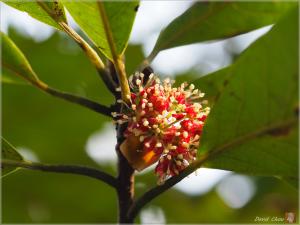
[24, 23]
[206, 57]
[152, 215]
[201, 183]
[153, 16]
[100, 145]
[243, 41]
[236, 191]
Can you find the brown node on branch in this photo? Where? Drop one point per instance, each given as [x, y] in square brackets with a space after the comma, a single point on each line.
[131, 149]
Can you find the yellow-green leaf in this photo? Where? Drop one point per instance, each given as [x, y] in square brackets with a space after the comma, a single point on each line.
[120, 17]
[252, 127]
[9, 152]
[207, 21]
[35, 10]
[15, 61]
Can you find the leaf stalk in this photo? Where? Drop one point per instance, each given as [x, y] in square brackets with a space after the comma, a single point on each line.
[59, 168]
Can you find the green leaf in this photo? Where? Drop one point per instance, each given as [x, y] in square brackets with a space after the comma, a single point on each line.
[8, 79]
[9, 152]
[34, 9]
[252, 127]
[14, 60]
[206, 21]
[120, 18]
[213, 84]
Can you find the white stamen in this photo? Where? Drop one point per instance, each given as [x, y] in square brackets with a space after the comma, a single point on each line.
[178, 163]
[185, 163]
[191, 87]
[196, 137]
[138, 82]
[142, 138]
[185, 134]
[158, 144]
[195, 91]
[146, 123]
[185, 144]
[151, 76]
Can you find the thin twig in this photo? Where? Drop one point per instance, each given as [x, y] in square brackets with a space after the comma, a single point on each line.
[156, 191]
[102, 109]
[88, 50]
[73, 169]
[117, 59]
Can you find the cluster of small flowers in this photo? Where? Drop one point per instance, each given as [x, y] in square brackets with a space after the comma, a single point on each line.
[167, 121]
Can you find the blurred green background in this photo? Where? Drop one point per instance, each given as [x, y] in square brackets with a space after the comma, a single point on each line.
[57, 132]
[50, 130]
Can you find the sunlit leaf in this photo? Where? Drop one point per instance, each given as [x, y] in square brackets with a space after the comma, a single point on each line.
[252, 127]
[120, 18]
[15, 61]
[34, 9]
[9, 79]
[9, 152]
[206, 21]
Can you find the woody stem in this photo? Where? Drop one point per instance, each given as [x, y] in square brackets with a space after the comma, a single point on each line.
[125, 178]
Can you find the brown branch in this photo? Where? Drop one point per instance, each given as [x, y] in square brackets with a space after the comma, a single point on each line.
[125, 179]
[156, 191]
[72, 169]
[64, 95]
[102, 109]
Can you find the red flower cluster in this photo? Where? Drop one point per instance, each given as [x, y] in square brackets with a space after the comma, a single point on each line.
[164, 125]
